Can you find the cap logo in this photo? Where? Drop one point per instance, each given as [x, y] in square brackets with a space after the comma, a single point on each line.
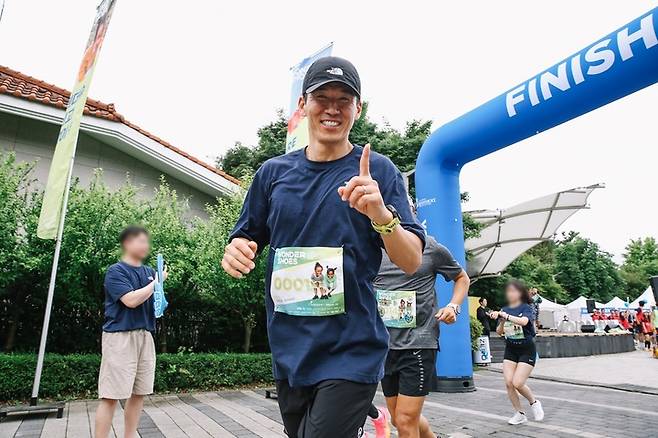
[335, 71]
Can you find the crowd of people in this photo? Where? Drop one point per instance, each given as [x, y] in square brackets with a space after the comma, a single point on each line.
[642, 322]
[342, 206]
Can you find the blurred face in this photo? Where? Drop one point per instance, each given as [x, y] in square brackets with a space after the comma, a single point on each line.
[331, 111]
[318, 270]
[512, 294]
[137, 247]
[484, 302]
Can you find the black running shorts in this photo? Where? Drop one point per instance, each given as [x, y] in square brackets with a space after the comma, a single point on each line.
[525, 353]
[329, 409]
[408, 372]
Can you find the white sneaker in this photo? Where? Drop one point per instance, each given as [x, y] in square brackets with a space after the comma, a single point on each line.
[518, 418]
[537, 410]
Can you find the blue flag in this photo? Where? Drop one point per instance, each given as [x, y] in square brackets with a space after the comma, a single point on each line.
[159, 300]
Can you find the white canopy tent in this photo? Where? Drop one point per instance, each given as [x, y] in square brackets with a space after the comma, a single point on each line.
[615, 303]
[575, 309]
[581, 302]
[510, 232]
[547, 304]
[647, 297]
[551, 313]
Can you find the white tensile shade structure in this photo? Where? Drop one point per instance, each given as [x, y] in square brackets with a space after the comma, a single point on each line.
[647, 297]
[615, 303]
[510, 232]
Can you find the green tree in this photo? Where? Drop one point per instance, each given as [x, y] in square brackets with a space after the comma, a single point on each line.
[17, 213]
[271, 140]
[165, 217]
[471, 227]
[237, 161]
[364, 130]
[241, 160]
[14, 182]
[583, 268]
[240, 299]
[640, 264]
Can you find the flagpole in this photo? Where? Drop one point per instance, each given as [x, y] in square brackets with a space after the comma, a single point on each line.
[51, 288]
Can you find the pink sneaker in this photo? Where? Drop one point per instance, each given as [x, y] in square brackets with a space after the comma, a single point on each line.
[382, 424]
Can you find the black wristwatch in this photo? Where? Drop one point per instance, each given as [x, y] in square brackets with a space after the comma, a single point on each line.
[393, 211]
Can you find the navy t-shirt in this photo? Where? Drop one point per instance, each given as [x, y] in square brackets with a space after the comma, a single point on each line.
[120, 279]
[514, 333]
[294, 203]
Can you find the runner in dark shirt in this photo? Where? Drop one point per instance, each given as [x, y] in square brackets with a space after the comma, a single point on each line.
[332, 204]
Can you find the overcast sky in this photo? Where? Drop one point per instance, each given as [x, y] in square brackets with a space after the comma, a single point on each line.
[204, 75]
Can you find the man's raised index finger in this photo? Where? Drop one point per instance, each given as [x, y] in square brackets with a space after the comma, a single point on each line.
[364, 164]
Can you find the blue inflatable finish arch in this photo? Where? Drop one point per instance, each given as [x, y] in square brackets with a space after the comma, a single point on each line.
[615, 66]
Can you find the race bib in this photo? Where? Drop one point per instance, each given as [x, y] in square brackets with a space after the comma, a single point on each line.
[308, 281]
[397, 308]
[513, 331]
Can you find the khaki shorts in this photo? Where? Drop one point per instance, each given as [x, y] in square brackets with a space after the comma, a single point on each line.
[127, 364]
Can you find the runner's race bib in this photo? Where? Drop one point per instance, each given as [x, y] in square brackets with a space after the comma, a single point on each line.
[513, 331]
[397, 308]
[308, 281]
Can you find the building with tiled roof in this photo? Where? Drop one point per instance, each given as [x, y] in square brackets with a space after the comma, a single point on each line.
[31, 112]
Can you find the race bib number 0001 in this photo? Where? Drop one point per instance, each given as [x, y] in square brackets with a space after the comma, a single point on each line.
[397, 308]
[308, 281]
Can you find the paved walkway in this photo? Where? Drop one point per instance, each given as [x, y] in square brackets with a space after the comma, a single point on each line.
[636, 369]
[571, 411]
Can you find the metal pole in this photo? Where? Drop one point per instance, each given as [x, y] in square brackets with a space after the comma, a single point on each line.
[51, 289]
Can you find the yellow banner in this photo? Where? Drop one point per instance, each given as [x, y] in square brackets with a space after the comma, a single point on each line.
[61, 166]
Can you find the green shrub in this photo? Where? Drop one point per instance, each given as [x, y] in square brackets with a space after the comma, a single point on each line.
[476, 332]
[76, 375]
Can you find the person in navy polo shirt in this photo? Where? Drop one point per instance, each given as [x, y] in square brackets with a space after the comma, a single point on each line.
[326, 211]
[128, 351]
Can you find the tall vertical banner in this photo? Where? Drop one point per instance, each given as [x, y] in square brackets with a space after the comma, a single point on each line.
[53, 210]
[297, 137]
[60, 168]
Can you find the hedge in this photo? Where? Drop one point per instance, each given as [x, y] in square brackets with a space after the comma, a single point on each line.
[76, 375]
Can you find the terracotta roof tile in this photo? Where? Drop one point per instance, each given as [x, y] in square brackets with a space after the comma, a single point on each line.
[26, 87]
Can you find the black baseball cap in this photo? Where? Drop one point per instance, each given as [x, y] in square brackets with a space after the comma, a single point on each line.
[331, 69]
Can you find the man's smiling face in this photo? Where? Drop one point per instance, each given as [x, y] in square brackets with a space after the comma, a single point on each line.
[331, 111]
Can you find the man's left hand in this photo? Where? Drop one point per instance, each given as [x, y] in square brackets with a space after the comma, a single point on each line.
[362, 193]
[447, 315]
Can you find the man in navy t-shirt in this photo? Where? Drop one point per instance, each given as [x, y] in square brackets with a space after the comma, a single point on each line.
[128, 352]
[326, 211]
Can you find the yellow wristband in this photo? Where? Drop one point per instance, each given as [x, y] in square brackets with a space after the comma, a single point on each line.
[387, 228]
